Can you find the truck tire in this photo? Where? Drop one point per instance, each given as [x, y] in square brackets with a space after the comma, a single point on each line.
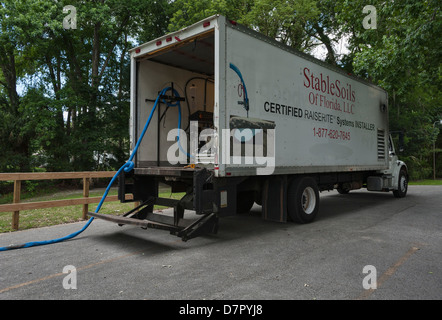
[303, 200]
[401, 192]
[244, 201]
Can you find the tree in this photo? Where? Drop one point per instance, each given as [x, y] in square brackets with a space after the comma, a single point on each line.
[74, 103]
[289, 22]
[402, 55]
[15, 134]
[187, 12]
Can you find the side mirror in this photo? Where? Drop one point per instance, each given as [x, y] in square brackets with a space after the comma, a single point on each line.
[401, 142]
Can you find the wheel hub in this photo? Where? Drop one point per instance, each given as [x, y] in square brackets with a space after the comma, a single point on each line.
[308, 200]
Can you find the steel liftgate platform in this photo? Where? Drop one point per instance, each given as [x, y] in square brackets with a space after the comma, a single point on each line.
[143, 217]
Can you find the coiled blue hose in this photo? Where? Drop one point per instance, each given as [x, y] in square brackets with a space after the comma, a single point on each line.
[127, 167]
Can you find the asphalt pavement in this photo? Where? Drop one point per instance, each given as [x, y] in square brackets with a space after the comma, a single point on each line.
[363, 246]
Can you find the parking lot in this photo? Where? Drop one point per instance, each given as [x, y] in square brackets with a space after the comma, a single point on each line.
[400, 240]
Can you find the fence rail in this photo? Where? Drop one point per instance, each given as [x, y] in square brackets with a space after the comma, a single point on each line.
[17, 178]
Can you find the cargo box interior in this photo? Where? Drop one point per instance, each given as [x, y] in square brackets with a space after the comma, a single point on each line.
[187, 67]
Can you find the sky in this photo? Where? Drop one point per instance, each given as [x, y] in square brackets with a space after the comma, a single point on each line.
[340, 48]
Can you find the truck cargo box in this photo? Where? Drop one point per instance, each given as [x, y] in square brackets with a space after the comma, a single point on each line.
[324, 120]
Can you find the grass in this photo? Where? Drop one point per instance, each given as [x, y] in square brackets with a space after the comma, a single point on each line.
[427, 182]
[53, 216]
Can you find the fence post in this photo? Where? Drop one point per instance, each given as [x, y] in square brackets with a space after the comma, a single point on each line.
[86, 182]
[16, 199]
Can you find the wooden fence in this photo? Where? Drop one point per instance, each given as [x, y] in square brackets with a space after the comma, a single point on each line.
[17, 178]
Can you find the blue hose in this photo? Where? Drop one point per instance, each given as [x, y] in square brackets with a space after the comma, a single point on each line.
[127, 167]
[246, 97]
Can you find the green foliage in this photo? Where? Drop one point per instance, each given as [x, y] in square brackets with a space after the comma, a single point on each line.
[286, 21]
[402, 55]
[187, 12]
[64, 93]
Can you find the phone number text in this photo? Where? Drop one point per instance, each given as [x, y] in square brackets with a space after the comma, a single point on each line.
[331, 134]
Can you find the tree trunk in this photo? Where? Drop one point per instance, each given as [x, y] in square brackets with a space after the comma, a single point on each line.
[327, 42]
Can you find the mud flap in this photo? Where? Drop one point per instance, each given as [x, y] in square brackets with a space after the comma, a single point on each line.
[274, 199]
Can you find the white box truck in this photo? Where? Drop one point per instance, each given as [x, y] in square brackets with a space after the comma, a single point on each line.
[229, 118]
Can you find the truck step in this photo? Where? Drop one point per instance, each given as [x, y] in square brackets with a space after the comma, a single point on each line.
[186, 229]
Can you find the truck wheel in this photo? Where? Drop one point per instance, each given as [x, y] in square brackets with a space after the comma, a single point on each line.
[303, 200]
[244, 201]
[401, 192]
